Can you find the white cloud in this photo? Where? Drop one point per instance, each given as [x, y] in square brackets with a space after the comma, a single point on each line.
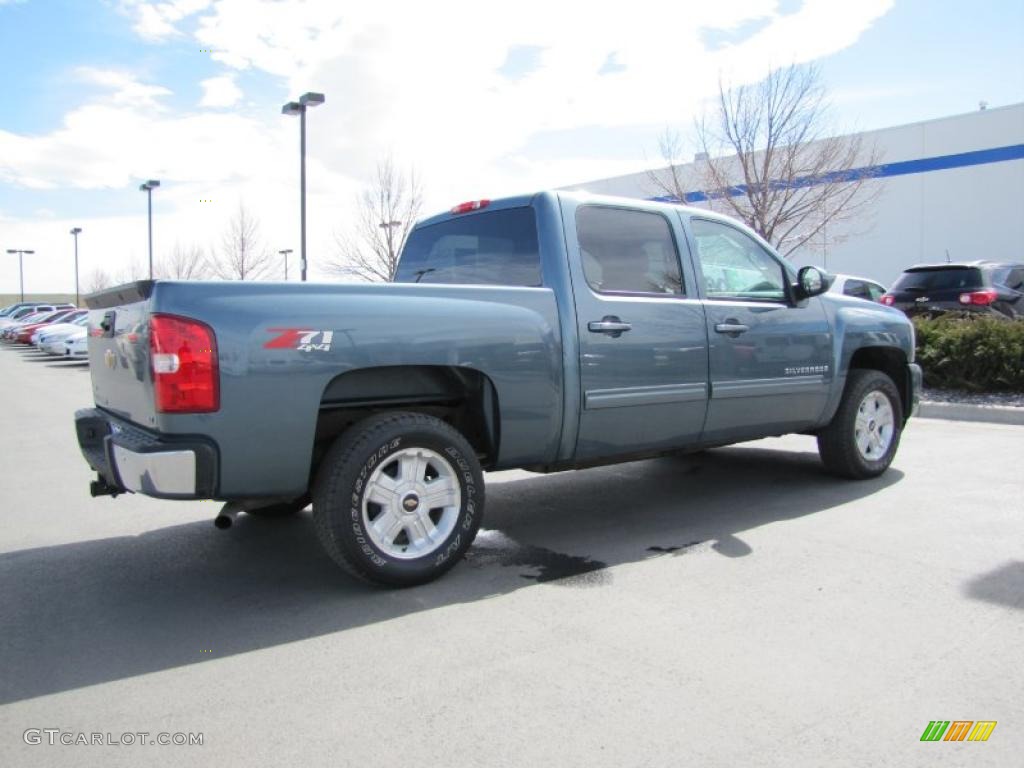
[124, 88]
[158, 21]
[416, 79]
[220, 91]
[407, 78]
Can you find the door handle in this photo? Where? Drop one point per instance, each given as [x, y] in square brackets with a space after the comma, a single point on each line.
[609, 324]
[732, 327]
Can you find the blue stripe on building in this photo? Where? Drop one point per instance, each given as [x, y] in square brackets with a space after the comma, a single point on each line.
[885, 170]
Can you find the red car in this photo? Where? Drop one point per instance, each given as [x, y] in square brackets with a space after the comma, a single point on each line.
[24, 333]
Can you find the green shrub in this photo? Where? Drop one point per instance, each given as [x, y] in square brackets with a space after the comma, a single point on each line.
[972, 352]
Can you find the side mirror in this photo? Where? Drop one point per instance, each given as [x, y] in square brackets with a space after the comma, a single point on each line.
[812, 281]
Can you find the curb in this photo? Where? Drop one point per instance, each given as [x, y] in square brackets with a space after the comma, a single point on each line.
[991, 414]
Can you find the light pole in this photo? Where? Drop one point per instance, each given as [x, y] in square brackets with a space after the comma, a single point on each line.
[148, 187]
[293, 108]
[21, 269]
[285, 253]
[76, 232]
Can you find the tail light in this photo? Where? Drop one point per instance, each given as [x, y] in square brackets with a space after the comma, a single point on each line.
[183, 355]
[979, 298]
[472, 205]
[888, 299]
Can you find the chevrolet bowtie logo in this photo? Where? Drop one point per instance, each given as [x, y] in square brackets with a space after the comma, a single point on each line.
[110, 358]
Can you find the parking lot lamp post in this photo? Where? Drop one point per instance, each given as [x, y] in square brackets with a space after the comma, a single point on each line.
[293, 108]
[148, 187]
[285, 253]
[76, 232]
[21, 269]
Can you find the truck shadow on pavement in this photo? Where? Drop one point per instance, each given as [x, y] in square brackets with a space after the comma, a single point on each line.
[1002, 586]
[96, 611]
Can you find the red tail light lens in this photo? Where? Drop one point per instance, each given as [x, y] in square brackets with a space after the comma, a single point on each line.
[888, 299]
[979, 298]
[183, 356]
[472, 205]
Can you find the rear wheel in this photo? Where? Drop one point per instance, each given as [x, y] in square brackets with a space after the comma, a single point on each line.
[398, 499]
[862, 438]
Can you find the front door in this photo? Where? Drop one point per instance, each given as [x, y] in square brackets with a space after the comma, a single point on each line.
[770, 358]
[642, 334]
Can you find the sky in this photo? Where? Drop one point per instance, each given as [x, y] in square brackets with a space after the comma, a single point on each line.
[481, 99]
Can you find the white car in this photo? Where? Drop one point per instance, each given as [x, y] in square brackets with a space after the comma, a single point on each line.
[50, 337]
[858, 287]
[77, 346]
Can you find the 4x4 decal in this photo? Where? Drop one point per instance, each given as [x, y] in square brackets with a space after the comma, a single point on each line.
[300, 339]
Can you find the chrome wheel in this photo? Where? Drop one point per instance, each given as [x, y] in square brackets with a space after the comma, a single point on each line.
[411, 503]
[874, 425]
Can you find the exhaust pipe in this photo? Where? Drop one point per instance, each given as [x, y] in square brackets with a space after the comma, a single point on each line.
[226, 517]
[100, 487]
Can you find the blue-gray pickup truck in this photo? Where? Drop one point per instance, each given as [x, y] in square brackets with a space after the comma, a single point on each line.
[549, 332]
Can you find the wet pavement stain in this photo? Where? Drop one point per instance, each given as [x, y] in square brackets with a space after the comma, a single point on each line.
[495, 548]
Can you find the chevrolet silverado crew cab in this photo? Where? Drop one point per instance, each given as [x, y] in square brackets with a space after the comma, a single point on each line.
[548, 332]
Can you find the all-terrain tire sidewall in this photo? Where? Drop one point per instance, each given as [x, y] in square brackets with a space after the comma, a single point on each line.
[837, 442]
[341, 483]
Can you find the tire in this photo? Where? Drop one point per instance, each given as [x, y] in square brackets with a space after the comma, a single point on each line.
[275, 511]
[860, 444]
[369, 499]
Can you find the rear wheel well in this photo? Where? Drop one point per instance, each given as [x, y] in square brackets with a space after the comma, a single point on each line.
[463, 397]
[893, 363]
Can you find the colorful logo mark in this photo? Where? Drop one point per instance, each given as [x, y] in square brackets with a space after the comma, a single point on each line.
[958, 730]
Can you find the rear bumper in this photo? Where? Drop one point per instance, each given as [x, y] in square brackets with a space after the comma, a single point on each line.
[132, 459]
[915, 380]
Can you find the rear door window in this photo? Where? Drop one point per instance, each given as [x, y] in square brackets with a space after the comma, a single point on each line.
[492, 248]
[628, 251]
[1010, 277]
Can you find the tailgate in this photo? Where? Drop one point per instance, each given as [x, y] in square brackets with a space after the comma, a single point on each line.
[122, 382]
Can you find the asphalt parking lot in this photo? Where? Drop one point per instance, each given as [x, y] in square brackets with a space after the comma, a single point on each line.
[734, 608]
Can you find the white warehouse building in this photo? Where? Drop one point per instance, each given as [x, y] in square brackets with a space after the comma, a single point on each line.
[954, 185]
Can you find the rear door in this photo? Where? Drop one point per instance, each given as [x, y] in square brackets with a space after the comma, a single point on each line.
[770, 358]
[642, 335]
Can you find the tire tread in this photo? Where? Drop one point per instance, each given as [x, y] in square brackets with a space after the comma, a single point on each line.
[835, 442]
[337, 459]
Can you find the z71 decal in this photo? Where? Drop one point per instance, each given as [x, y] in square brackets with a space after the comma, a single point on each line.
[300, 339]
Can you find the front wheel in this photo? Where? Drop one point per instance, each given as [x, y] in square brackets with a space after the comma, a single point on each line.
[398, 499]
[862, 438]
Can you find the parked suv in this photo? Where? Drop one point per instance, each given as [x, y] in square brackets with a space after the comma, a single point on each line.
[979, 286]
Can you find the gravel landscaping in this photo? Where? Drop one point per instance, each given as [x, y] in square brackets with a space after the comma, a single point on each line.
[1012, 399]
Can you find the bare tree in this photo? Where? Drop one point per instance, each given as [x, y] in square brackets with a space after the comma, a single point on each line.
[386, 213]
[767, 157]
[98, 280]
[184, 262]
[130, 273]
[242, 255]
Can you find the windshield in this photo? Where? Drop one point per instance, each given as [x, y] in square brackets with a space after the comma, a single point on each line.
[940, 278]
[495, 248]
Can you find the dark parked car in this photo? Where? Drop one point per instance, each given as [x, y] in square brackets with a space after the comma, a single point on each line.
[990, 287]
